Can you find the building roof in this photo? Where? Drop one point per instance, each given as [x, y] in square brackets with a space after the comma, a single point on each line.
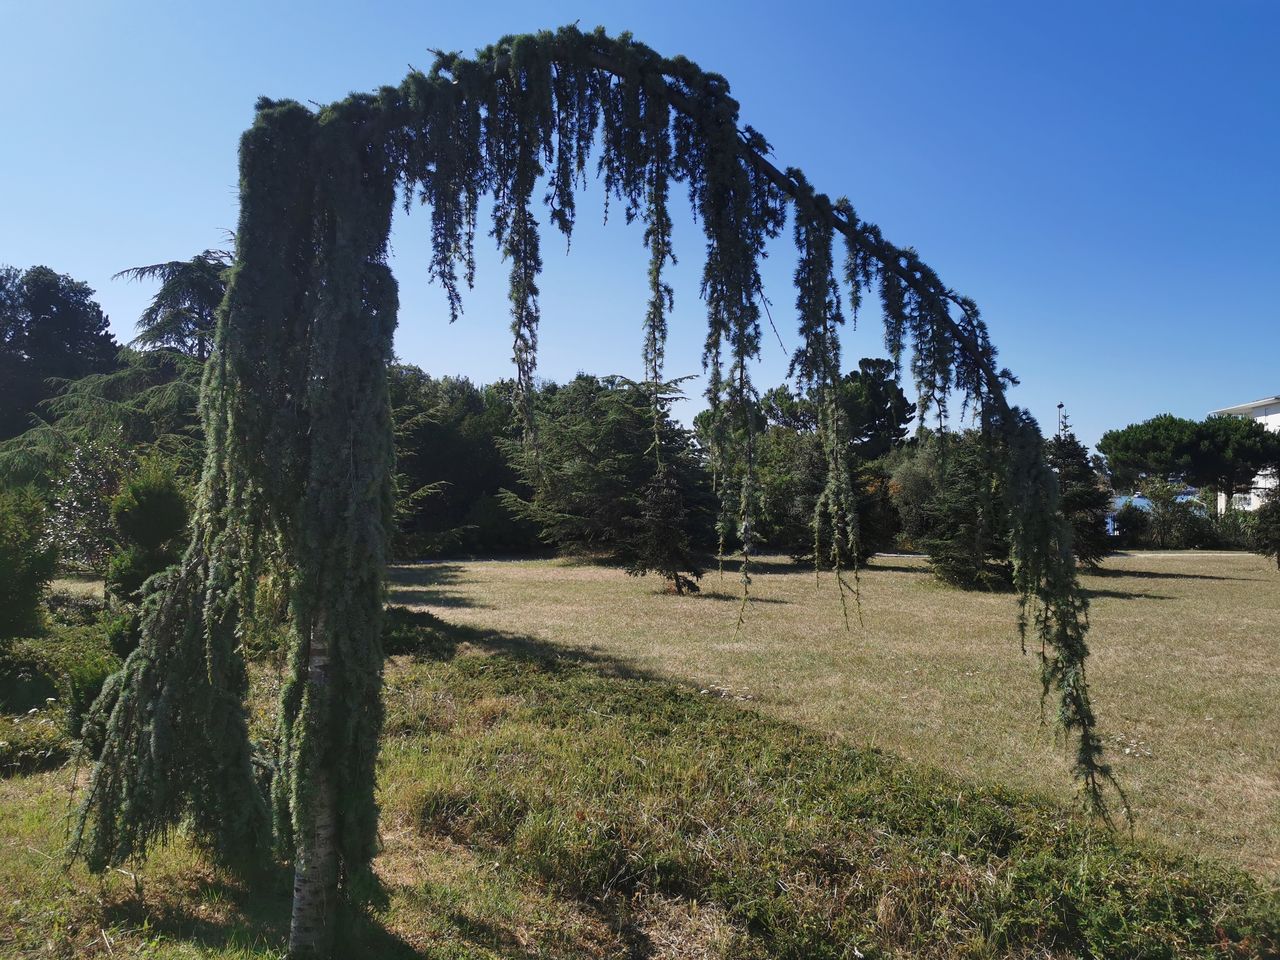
[1245, 408]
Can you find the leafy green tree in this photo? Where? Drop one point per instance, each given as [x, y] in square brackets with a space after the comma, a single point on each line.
[1083, 498]
[451, 464]
[609, 480]
[1266, 526]
[1177, 522]
[26, 562]
[51, 328]
[876, 411]
[792, 465]
[183, 313]
[1229, 452]
[1160, 448]
[1221, 453]
[148, 404]
[79, 525]
[966, 525]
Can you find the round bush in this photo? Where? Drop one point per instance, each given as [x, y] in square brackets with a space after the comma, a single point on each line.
[151, 511]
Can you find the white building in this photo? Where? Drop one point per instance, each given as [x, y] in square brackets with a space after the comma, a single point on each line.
[1267, 412]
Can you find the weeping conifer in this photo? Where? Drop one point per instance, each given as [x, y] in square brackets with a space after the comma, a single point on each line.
[298, 466]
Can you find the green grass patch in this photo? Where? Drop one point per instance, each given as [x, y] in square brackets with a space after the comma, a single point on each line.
[544, 806]
[609, 789]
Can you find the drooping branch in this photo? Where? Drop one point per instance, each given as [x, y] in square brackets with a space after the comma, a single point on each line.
[737, 193]
[294, 404]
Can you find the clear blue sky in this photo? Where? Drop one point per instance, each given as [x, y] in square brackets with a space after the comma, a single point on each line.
[1100, 176]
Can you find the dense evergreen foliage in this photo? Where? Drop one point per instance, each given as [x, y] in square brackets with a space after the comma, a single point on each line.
[1220, 453]
[451, 466]
[298, 427]
[183, 313]
[1266, 531]
[50, 328]
[1085, 501]
[792, 462]
[948, 492]
[150, 515]
[613, 476]
[26, 563]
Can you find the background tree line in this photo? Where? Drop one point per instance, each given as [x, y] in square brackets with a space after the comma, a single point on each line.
[613, 475]
[100, 447]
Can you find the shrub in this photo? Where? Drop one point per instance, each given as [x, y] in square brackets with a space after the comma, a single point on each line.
[950, 500]
[80, 516]
[150, 515]
[68, 667]
[1133, 526]
[26, 563]
[32, 741]
[1234, 530]
[151, 511]
[1266, 527]
[1177, 524]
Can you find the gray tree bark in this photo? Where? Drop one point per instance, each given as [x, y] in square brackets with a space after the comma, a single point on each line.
[315, 872]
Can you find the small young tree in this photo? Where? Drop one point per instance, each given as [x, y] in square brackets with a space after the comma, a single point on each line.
[1266, 526]
[966, 535]
[613, 476]
[1177, 523]
[661, 543]
[150, 515]
[1082, 497]
[26, 563]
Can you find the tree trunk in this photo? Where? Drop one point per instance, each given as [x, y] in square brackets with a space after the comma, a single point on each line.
[315, 872]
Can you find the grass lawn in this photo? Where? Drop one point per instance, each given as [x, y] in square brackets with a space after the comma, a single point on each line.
[543, 795]
[1185, 670]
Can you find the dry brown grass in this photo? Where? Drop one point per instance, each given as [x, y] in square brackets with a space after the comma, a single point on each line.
[1185, 672]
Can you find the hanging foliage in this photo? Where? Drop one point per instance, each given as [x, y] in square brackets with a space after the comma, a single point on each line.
[299, 440]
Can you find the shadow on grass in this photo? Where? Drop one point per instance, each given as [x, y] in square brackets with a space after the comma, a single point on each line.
[225, 915]
[423, 635]
[1123, 595]
[875, 566]
[736, 598]
[229, 915]
[428, 584]
[1111, 572]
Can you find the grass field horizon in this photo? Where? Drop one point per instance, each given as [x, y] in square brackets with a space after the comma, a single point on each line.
[1185, 670]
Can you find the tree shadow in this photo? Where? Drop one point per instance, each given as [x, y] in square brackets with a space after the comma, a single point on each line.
[422, 635]
[256, 916]
[736, 598]
[877, 565]
[1123, 595]
[765, 565]
[1111, 572]
[253, 916]
[427, 584]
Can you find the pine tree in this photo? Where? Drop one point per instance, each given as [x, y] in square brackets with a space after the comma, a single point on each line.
[1085, 501]
[613, 476]
[183, 313]
[967, 523]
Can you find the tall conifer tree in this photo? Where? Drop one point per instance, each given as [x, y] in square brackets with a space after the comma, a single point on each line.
[298, 467]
